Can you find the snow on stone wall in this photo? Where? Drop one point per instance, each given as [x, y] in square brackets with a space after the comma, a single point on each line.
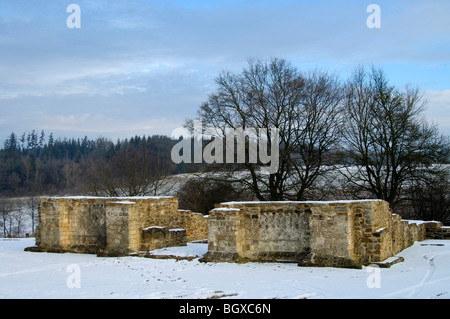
[336, 234]
[111, 226]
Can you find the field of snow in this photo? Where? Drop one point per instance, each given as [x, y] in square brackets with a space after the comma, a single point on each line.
[425, 273]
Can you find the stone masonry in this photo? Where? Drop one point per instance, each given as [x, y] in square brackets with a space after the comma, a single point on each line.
[110, 226]
[335, 234]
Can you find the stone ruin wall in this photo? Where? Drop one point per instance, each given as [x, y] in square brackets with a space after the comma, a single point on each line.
[335, 234]
[110, 226]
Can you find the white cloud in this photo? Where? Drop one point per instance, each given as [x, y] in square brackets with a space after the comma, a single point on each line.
[105, 124]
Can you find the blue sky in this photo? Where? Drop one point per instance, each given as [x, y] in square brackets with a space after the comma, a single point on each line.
[143, 67]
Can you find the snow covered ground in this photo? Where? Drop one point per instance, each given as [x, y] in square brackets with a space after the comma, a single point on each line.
[425, 273]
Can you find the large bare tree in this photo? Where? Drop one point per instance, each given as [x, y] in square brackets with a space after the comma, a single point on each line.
[305, 108]
[390, 145]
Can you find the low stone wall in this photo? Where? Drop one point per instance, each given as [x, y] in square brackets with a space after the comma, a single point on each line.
[71, 224]
[336, 234]
[196, 225]
[435, 230]
[156, 237]
[111, 226]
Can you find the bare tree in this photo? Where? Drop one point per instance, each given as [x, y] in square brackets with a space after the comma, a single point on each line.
[16, 222]
[32, 205]
[130, 171]
[71, 172]
[6, 210]
[304, 108]
[201, 193]
[429, 195]
[11, 217]
[387, 140]
[316, 131]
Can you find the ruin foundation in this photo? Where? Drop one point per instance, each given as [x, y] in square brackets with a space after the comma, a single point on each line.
[334, 234]
[110, 226]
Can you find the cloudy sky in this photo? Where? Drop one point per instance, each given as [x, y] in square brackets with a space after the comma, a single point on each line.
[143, 66]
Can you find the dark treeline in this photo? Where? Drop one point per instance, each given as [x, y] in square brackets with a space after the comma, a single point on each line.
[35, 164]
